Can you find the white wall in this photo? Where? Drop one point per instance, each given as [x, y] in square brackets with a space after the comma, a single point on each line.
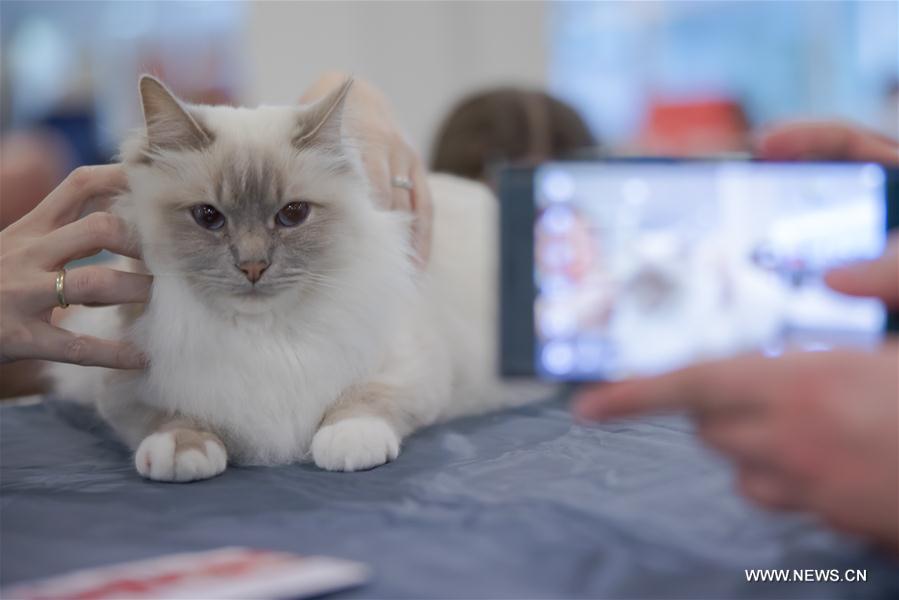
[423, 55]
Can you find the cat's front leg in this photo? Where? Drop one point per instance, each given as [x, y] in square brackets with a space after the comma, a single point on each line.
[169, 447]
[363, 429]
[180, 451]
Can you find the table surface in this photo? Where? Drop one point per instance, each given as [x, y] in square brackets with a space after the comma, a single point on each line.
[518, 504]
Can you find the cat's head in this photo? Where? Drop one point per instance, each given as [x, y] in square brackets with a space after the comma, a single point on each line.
[247, 206]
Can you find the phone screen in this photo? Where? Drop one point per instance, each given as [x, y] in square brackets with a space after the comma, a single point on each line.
[641, 268]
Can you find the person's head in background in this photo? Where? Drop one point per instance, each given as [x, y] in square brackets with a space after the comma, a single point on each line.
[507, 125]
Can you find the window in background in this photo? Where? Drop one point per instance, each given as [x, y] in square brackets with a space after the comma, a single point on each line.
[692, 77]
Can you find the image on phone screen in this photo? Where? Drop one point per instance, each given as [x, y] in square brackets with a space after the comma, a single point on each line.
[643, 268]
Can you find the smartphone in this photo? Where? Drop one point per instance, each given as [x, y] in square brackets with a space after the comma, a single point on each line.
[617, 268]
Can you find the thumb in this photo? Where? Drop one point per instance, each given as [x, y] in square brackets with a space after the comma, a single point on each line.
[878, 278]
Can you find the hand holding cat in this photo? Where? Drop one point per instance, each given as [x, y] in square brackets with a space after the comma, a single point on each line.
[385, 153]
[812, 431]
[36, 247]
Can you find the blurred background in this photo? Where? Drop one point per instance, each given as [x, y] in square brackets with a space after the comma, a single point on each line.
[646, 77]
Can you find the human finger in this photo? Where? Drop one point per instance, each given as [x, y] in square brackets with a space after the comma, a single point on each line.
[86, 237]
[712, 386]
[423, 214]
[745, 436]
[877, 278]
[97, 286]
[829, 140]
[376, 161]
[69, 200]
[53, 343]
[767, 487]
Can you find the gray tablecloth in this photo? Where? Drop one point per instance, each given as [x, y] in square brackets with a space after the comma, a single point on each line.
[520, 504]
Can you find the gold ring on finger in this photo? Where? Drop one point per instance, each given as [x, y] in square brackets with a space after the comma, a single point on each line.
[61, 288]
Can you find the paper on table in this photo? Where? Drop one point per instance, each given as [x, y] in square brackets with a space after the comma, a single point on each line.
[231, 572]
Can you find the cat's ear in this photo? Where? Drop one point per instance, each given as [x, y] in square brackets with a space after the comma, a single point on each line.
[169, 125]
[320, 123]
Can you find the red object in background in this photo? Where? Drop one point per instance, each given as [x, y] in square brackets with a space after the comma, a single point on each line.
[694, 127]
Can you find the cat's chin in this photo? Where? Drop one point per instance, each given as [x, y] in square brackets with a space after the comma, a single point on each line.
[252, 303]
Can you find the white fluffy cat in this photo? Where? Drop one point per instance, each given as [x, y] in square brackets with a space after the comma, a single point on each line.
[287, 320]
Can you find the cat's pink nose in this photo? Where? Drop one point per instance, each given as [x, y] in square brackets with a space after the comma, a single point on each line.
[253, 270]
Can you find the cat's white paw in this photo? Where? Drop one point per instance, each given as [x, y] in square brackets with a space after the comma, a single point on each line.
[355, 444]
[180, 455]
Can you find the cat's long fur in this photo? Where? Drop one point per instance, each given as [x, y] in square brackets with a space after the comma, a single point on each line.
[356, 350]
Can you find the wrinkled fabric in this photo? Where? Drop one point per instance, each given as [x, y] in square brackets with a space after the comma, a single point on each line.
[519, 504]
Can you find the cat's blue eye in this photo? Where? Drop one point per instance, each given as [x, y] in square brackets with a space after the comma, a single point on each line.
[208, 217]
[292, 214]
